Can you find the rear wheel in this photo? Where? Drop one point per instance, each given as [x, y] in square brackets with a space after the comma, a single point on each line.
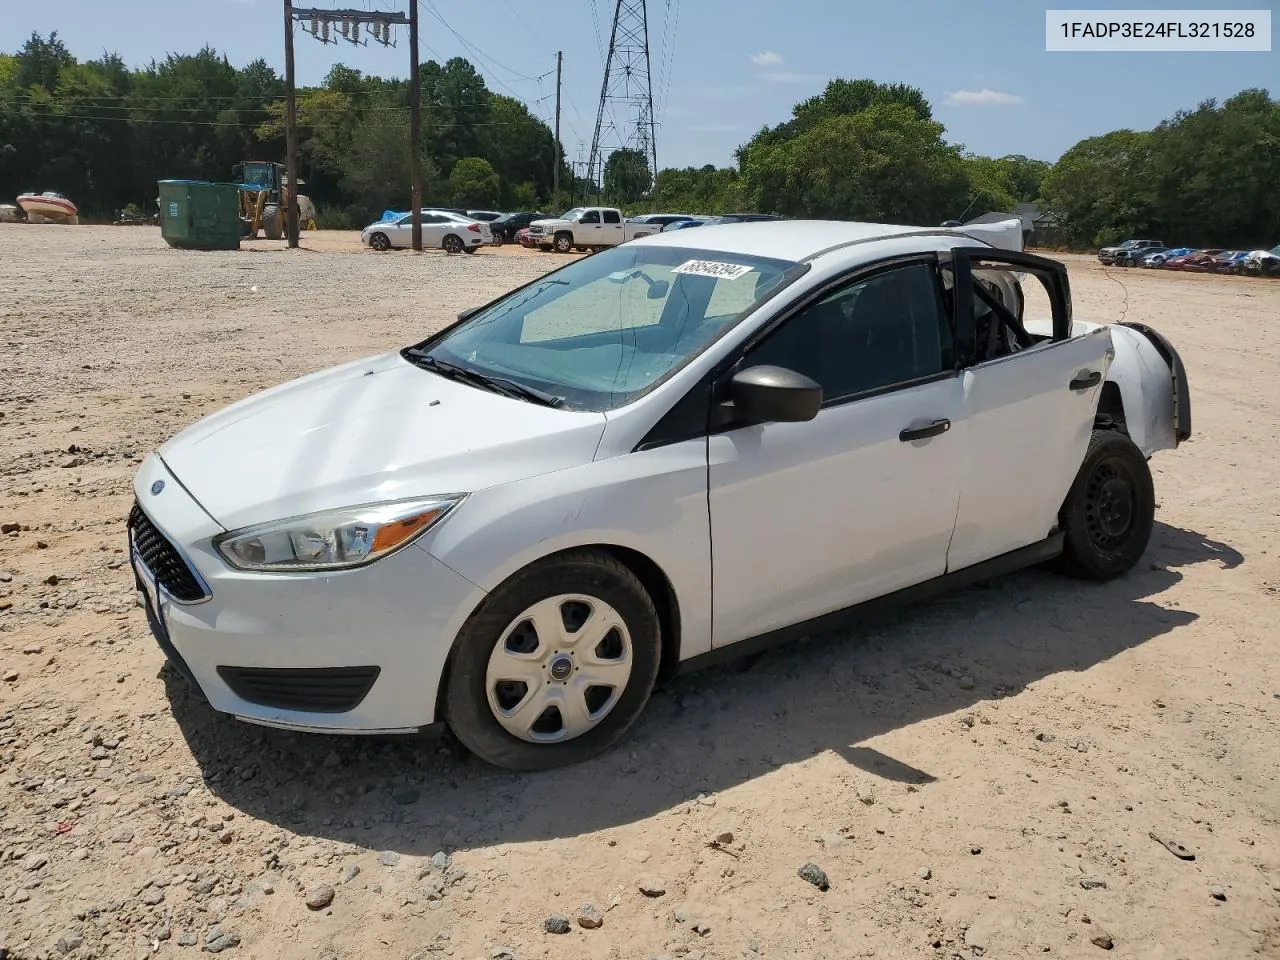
[379, 241]
[556, 664]
[452, 244]
[1109, 511]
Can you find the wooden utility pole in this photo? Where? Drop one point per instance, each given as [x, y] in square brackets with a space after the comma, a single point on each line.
[555, 172]
[415, 125]
[290, 131]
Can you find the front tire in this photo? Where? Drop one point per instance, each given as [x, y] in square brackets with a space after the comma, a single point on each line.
[380, 242]
[1109, 511]
[556, 664]
[272, 222]
[563, 243]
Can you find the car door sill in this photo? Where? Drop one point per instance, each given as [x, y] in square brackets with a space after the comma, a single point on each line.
[1006, 563]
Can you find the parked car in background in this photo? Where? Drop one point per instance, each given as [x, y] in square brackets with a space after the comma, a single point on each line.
[648, 224]
[452, 232]
[513, 525]
[1263, 263]
[1108, 254]
[1231, 261]
[1198, 261]
[524, 239]
[582, 228]
[1160, 257]
[485, 216]
[686, 224]
[741, 218]
[512, 223]
[1133, 257]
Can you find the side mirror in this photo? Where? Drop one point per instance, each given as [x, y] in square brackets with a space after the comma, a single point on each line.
[469, 312]
[767, 393]
[658, 289]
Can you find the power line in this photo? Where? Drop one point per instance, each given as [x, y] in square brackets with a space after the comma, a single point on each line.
[481, 54]
[671, 64]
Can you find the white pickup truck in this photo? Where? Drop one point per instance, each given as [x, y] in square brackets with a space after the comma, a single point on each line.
[584, 228]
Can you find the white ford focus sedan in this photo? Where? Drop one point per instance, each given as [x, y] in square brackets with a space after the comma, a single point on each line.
[684, 448]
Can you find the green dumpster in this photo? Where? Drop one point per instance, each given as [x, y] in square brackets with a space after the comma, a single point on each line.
[200, 215]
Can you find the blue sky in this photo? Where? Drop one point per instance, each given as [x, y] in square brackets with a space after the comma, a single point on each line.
[721, 68]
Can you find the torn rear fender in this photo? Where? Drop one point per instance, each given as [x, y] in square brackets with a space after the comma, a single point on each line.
[1153, 387]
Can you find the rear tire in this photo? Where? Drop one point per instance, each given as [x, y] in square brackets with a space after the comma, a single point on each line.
[501, 635]
[452, 244]
[1110, 510]
[272, 223]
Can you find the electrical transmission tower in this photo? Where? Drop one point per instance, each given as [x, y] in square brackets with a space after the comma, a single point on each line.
[624, 118]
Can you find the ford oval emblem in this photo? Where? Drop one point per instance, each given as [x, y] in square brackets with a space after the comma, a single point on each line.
[157, 487]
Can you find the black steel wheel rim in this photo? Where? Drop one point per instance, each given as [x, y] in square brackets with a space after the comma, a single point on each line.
[1110, 506]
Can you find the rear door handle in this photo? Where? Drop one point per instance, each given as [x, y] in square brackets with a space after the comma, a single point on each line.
[925, 432]
[1087, 381]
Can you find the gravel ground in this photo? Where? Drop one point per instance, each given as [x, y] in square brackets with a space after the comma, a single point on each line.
[979, 776]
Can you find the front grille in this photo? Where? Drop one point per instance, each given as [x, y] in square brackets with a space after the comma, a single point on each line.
[163, 560]
[534, 231]
[315, 689]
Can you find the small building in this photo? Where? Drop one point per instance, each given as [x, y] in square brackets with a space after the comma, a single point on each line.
[1039, 229]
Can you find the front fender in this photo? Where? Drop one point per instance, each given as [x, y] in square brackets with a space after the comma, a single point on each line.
[1153, 387]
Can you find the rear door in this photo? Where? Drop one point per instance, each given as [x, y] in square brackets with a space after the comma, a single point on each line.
[611, 230]
[1030, 401]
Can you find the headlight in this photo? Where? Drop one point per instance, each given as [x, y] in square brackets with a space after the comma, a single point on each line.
[333, 539]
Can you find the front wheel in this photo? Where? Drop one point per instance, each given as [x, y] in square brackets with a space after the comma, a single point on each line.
[563, 242]
[379, 241]
[453, 244]
[1109, 511]
[555, 665]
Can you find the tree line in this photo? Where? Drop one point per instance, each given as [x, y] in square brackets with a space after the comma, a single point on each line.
[103, 133]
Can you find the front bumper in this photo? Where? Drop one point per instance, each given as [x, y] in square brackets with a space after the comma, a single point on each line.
[391, 623]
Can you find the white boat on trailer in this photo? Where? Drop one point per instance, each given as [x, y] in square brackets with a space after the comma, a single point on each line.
[48, 207]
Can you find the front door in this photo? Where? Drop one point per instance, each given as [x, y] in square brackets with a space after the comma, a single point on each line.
[808, 518]
[1030, 404]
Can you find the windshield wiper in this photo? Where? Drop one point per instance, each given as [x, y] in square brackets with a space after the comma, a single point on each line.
[500, 385]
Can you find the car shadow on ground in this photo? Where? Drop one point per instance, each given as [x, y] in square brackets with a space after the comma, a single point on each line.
[705, 732]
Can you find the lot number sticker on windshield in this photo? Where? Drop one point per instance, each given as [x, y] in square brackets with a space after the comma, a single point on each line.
[712, 268]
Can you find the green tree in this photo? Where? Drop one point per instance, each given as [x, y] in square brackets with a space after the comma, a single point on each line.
[882, 164]
[626, 176]
[474, 183]
[1100, 189]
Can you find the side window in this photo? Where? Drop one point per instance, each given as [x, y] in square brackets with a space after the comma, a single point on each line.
[890, 328]
[612, 216]
[591, 216]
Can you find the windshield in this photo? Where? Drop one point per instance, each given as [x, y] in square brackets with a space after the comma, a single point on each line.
[606, 329]
[573, 214]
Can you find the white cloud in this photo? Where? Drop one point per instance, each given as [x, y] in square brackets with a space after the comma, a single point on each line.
[767, 59]
[982, 98]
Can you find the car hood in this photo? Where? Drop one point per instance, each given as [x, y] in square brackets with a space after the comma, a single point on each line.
[371, 430]
[551, 222]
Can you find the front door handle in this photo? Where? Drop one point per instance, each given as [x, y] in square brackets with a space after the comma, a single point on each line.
[1087, 381]
[925, 432]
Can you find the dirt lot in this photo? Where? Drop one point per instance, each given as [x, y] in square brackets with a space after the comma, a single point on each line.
[978, 777]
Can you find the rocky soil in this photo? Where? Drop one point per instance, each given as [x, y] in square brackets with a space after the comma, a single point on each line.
[999, 773]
